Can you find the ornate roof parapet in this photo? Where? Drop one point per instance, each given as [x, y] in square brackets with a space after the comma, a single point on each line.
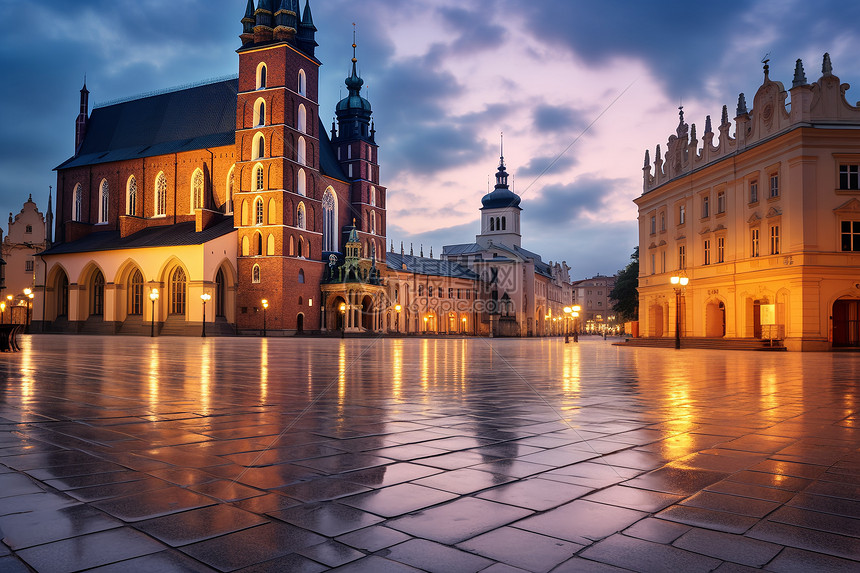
[822, 102]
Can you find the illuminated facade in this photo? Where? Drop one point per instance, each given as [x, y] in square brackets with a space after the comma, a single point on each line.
[231, 188]
[592, 296]
[764, 222]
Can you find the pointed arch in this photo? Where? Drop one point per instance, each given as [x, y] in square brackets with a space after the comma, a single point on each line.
[372, 196]
[228, 204]
[259, 146]
[246, 248]
[135, 293]
[302, 83]
[300, 215]
[301, 277]
[258, 243]
[77, 203]
[259, 112]
[258, 177]
[261, 76]
[197, 186]
[302, 121]
[270, 245]
[292, 246]
[131, 196]
[104, 201]
[301, 243]
[330, 223]
[271, 213]
[97, 293]
[259, 213]
[177, 290]
[245, 215]
[301, 151]
[301, 183]
[160, 194]
[255, 274]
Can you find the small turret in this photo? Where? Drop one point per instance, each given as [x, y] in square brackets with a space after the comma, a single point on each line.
[49, 220]
[264, 21]
[307, 31]
[286, 20]
[799, 75]
[248, 22]
[83, 118]
[742, 105]
[826, 66]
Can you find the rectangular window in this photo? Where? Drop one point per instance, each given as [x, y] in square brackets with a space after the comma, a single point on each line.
[663, 262]
[682, 214]
[774, 240]
[450, 293]
[653, 224]
[851, 235]
[721, 202]
[754, 191]
[429, 291]
[28, 266]
[721, 249]
[706, 207]
[707, 251]
[849, 177]
[754, 248]
[774, 185]
[682, 257]
[662, 222]
[653, 264]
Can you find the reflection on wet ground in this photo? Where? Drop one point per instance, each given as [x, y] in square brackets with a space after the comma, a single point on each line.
[166, 454]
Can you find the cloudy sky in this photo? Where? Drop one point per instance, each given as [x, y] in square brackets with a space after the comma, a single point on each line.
[579, 88]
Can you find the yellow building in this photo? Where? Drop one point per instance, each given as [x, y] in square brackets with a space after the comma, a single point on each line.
[764, 222]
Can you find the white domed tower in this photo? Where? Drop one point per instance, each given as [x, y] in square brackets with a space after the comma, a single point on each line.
[500, 213]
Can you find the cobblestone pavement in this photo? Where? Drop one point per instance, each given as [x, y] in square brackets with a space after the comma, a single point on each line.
[443, 455]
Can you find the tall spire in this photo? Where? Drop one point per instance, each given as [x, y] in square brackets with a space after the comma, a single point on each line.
[49, 219]
[307, 31]
[354, 112]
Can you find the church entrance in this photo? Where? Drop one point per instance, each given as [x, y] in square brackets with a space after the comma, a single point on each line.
[846, 323]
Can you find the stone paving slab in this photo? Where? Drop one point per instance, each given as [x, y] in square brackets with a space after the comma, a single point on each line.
[375, 455]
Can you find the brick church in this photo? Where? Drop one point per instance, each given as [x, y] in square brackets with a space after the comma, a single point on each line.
[231, 190]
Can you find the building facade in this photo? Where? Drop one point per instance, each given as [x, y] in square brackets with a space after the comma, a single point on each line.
[28, 234]
[764, 222]
[232, 189]
[592, 296]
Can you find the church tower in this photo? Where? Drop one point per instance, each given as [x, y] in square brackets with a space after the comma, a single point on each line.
[500, 213]
[357, 152]
[278, 186]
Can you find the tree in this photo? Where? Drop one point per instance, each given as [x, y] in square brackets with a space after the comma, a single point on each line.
[626, 293]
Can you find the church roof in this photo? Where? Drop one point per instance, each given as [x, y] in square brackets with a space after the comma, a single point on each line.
[425, 266]
[329, 165]
[184, 120]
[180, 234]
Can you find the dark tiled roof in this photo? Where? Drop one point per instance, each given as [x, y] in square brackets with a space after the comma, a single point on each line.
[180, 234]
[464, 249]
[184, 120]
[425, 266]
[329, 165]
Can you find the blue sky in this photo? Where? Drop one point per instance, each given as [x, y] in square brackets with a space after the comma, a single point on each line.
[580, 90]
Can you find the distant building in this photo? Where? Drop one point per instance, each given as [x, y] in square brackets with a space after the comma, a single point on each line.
[592, 295]
[764, 222]
[29, 233]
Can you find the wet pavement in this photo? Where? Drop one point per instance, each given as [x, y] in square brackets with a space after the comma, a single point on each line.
[303, 455]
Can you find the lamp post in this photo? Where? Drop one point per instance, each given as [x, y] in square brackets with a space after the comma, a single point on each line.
[265, 306]
[679, 283]
[397, 309]
[425, 324]
[567, 312]
[9, 298]
[2, 310]
[28, 293]
[463, 320]
[205, 297]
[153, 296]
[575, 314]
[343, 320]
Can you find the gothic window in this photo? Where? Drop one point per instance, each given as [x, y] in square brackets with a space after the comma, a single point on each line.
[135, 293]
[301, 276]
[261, 76]
[329, 204]
[373, 196]
[161, 194]
[302, 119]
[246, 250]
[255, 274]
[300, 216]
[177, 291]
[97, 300]
[104, 201]
[301, 183]
[373, 222]
[301, 151]
[270, 213]
[270, 245]
[504, 223]
[77, 203]
[292, 246]
[220, 291]
[228, 208]
[258, 176]
[301, 245]
[492, 224]
[131, 196]
[260, 113]
[258, 211]
[303, 84]
[197, 190]
[63, 295]
[258, 239]
[259, 146]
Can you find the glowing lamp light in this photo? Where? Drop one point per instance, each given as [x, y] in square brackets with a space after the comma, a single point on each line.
[398, 308]
[153, 296]
[265, 303]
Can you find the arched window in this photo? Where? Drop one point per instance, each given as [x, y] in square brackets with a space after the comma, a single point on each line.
[302, 122]
[258, 176]
[292, 246]
[301, 245]
[307, 249]
[492, 224]
[161, 194]
[303, 83]
[104, 201]
[258, 211]
[131, 196]
[301, 276]
[373, 222]
[270, 213]
[255, 274]
[177, 291]
[220, 292]
[301, 183]
[300, 216]
[97, 300]
[135, 293]
[373, 196]
[77, 203]
[329, 204]
[498, 224]
[270, 245]
[63, 295]
[259, 146]
[301, 151]
[261, 76]
[504, 223]
[258, 240]
[244, 213]
[197, 190]
[260, 112]
[246, 250]
[228, 206]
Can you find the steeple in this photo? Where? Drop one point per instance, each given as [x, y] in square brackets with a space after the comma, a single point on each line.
[264, 21]
[307, 31]
[286, 20]
[353, 112]
[248, 22]
[83, 117]
[49, 220]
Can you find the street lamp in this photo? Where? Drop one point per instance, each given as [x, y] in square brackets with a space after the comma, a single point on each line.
[29, 294]
[205, 297]
[265, 306]
[567, 311]
[9, 297]
[397, 309]
[425, 324]
[2, 310]
[679, 283]
[153, 296]
[575, 315]
[464, 324]
[343, 320]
